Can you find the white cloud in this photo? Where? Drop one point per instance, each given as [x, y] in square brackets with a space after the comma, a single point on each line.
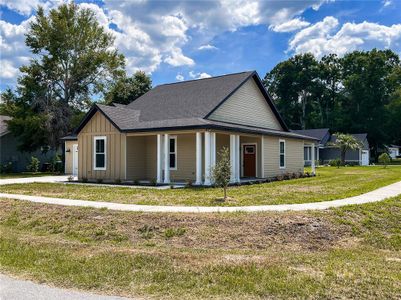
[387, 3]
[200, 75]
[179, 77]
[149, 33]
[328, 37]
[177, 59]
[207, 47]
[292, 25]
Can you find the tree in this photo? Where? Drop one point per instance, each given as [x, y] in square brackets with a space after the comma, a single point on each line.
[345, 142]
[384, 159]
[127, 89]
[74, 60]
[221, 173]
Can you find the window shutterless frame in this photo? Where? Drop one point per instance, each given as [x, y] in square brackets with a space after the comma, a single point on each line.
[99, 152]
[174, 152]
[282, 157]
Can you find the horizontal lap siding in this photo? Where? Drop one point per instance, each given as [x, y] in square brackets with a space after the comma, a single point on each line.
[247, 106]
[115, 153]
[294, 156]
[186, 158]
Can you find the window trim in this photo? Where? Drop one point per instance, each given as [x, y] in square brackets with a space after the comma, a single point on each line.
[96, 138]
[279, 154]
[173, 137]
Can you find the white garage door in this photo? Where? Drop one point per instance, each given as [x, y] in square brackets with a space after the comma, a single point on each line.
[365, 158]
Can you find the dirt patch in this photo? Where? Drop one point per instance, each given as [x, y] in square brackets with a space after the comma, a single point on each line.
[207, 231]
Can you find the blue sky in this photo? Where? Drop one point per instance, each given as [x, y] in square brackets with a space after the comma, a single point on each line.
[180, 40]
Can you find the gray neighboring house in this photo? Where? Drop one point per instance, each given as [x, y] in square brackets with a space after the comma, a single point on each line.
[326, 152]
[394, 151]
[9, 150]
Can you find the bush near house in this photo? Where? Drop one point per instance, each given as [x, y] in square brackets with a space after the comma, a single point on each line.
[33, 165]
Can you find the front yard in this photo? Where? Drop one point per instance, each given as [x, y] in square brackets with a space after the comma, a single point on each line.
[329, 184]
[351, 252]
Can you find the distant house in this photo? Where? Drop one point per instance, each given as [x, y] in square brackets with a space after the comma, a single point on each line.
[174, 133]
[394, 151]
[9, 151]
[325, 151]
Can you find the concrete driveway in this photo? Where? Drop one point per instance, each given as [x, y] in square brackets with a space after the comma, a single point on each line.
[58, 178]
[15, 289]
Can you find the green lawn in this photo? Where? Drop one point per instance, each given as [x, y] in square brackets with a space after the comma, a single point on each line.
[329, 184]
[24, 175]
[352, 252]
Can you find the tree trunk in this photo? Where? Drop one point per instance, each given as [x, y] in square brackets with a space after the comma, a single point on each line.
[343, 157]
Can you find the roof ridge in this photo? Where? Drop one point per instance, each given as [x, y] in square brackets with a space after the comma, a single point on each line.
[212, 77]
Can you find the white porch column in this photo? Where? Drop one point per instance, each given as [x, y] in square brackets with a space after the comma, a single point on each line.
[212, 150]
[237, 159]
[159, 159]
[313, 159]
[232, 158]
[207, 158]
[198, 158]
[166, 158]
[317, 155]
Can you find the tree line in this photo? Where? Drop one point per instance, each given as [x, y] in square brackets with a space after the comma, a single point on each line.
[359, 92]
[75, 63]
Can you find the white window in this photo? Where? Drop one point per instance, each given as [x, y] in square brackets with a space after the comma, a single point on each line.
[173, 153]
[282, 154]
[99, 153]
[307, 153]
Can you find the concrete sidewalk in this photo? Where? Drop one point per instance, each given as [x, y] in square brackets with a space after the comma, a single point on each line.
[15, 289]
[391, 190]
[58, 178]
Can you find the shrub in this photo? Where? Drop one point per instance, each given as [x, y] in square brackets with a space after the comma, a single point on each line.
[7, 167]
[280, 178]
[56, 165]
[70, 178]
[221, 173]
[153, 182]
[189, 183]
[33, 165]
[335, 162]
[136, 182]
[117, 181]
[84, 179]
[99, 180]
[384, 159]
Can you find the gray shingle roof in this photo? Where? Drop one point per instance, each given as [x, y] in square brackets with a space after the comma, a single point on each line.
[3, 124]
[183, 105]
[318, 133]
[188, 99]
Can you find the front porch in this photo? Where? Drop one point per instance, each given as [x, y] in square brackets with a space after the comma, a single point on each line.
[189, 157]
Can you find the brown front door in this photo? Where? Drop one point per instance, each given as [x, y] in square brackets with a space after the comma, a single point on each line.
[249, 160]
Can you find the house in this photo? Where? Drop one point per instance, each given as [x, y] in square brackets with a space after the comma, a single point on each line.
[19, 160]
[394, 151]
[174, 132]
[326, 151]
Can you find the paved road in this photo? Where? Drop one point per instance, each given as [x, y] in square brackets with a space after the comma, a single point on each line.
[15, 289]
[380, 194]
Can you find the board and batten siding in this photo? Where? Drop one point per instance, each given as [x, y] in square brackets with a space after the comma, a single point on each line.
[98, 125]
[294, 156]
[247, 106]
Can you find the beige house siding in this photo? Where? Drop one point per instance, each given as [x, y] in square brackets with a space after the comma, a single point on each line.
[98, 125]
[293, 158]
[68, 156]
[247, 106]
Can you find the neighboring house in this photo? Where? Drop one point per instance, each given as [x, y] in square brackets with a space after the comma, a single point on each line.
[70, 154]
[174, 132]
[328, 152]
[9, 151]
[394, 151]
